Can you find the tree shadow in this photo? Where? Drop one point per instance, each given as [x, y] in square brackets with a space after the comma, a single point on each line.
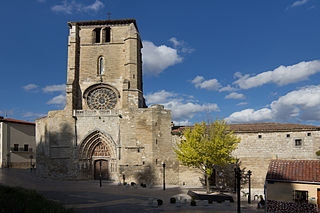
[224, 179]
[146, 175]
[56, 156]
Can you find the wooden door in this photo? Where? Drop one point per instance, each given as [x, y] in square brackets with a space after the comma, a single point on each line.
[103, 168]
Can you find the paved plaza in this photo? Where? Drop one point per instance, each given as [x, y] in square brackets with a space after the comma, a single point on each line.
[88, 196]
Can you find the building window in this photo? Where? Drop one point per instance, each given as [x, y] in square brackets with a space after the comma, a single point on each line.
[309, 134]
[300, 196]
[288, 135]
[16, 147]
[298, 142]
[156, 161]
[96, 35]
[107, 34]
[26, 147]
[259, 136]
[100, 66]
[156, 141]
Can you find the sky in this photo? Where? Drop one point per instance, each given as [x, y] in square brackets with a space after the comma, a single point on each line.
[239, 60]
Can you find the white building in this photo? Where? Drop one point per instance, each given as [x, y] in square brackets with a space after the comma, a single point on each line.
[17, 143]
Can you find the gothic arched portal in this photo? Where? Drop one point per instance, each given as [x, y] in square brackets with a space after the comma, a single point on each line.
[97, 153]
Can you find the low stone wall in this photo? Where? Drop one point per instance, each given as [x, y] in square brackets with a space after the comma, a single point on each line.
[274, 206]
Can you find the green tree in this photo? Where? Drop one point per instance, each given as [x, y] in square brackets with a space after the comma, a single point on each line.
[205, 146]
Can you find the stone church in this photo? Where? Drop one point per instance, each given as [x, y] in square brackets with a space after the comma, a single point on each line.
[106, 127]
[105, 120]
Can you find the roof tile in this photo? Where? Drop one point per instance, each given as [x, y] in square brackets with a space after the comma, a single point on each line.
[294, 170]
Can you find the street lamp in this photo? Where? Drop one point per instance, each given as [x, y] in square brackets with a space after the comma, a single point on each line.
[164, 175]
[100, 175]
[31, 156]
[238, 177]
[249, 196]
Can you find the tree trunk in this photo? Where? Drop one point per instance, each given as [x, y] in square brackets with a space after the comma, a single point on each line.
[207, 183]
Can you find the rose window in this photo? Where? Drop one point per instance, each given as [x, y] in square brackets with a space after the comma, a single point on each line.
[102, 99]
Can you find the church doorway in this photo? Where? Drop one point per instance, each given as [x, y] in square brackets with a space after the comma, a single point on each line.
[101, 156]
[100, 151]
[101, 168]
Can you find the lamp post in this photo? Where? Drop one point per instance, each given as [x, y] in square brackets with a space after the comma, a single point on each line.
[8, 160]
[249, 196]
[238, 177]
[164, 175]
[100, 175]
[31, 156]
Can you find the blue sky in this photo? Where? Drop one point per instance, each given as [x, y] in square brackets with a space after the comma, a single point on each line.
[242, 60]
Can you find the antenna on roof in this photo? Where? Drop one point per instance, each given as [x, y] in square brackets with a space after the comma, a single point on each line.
[109, 15]
[6, 115]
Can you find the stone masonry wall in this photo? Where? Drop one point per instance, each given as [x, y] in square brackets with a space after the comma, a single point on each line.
[255, 152]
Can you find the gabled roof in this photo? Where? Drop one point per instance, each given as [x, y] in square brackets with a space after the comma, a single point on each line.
[294, 170]
[9, 120]
[259, 127]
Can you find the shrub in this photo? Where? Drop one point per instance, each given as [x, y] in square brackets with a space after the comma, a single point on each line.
[173, 200]
[160, 202]
[193, 203]
[318, 153]
[17, 199]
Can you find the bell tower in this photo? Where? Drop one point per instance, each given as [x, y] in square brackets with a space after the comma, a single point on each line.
[104, 66]
[105, 121]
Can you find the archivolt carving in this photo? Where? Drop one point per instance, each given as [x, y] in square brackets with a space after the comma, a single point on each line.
[92, 141]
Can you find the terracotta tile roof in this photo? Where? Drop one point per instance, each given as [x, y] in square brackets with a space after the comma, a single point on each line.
[259, 127]
[9, 120]
[294, 170]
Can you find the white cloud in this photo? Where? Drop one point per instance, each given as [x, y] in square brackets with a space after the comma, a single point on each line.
[250, 115]
[183, 123]
[242, 103]
[211, 84]
[282, 75]
[181, 45]
[298, 105]
[70, 6]
[33, 115]
[183, 109]
[58, 100]
[299, 3]
[30, 87]
[175, 42]
[227, 89]
[197, 80]
[55, 88]
[159, 97]
[96, 6]
[235, 95]
[186, 111]
[158, 58]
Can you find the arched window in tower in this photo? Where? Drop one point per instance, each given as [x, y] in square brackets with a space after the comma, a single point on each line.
[96, 35]
[107, 34]
[100, 66]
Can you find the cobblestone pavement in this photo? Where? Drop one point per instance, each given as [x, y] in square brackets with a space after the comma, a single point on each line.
[88, 196]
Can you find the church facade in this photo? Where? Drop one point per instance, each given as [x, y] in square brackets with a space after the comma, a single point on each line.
[106, 128]
[105, 125]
